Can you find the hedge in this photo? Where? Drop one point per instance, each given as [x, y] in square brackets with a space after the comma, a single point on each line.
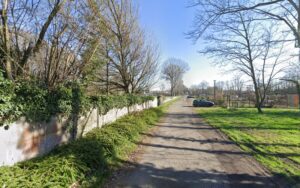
[37, 103]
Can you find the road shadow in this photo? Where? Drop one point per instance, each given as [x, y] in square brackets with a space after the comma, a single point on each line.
[188, 121]
[224, 152]
[147, 175]
[215, 141]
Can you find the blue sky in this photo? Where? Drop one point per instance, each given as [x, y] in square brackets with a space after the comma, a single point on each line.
[167, 21]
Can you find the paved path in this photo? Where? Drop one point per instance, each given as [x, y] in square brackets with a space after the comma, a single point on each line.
[185, 152]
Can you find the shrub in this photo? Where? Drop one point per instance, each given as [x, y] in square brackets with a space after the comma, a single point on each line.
[84, 162]
[8, 109]
[60, 100]
[37, 103]
[33, 99]
[220, 102]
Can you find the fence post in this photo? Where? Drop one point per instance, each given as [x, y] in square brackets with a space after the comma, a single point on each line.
[159, 100]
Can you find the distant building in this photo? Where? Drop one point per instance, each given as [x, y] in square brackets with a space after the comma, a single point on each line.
[293, 100]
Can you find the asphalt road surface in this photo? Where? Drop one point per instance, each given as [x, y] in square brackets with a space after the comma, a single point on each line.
[183, 151]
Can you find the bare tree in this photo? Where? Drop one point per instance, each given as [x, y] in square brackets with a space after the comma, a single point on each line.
[21, 19]
[220, 85]
[57, 56]
[284, 11]
[65, 52]
[238, 84]
[199, 89]
[5, 41]
[203, 86]
[194, 90]
[180, 88]
[173, 71]
[250, 47]
[162, 87]
[132, 60]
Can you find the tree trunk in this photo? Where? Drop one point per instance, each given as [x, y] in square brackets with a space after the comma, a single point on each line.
[6, 41]
[127, 89]
[258, 102]
[31, 50]
[298, 92]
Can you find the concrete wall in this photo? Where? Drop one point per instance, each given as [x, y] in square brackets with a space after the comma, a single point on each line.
[24, 140]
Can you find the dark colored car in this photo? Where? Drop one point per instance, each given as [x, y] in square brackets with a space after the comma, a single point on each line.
[189, 96]
[195, 103]
[203, 103]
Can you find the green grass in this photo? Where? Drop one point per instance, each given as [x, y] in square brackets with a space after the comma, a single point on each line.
[273, 137]
[85, 162]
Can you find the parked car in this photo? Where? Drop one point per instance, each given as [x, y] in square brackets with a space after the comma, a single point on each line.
[195, 103]
[189, 96]
[203, 103]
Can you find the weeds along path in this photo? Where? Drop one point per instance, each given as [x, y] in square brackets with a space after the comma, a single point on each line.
[183, 151]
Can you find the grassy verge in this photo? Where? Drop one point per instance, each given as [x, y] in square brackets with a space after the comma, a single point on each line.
[273, 138]
[85, 162]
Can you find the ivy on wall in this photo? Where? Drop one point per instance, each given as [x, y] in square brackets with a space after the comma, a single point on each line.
[9, 110]
[36, 103]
